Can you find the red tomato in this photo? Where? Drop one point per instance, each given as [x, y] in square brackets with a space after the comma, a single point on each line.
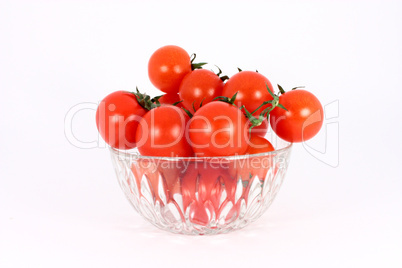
[202, 186]
[167, 67]
[161, 132]
[218, 129]
[248, 167]
[262, 129]
[199, 86]
[303, 118]
[117, 119]
[170, 99]
[258, 145]
[251, 88]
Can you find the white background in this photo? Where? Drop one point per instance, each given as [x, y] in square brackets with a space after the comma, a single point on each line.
[61, 206]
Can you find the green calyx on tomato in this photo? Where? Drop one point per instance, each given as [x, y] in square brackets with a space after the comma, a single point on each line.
[177, 102]
[187, 112]
[282, 91]
[227, 99]
[149, 103]
[257, 121]
[169, 99]
[219, 73]
[193, 106]
[196, 65]
[145, 100]
[274, 103]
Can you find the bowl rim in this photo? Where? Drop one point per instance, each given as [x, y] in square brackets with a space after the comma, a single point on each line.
[135, 153]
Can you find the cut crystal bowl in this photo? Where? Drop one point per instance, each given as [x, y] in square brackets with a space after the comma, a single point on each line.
[201, 195]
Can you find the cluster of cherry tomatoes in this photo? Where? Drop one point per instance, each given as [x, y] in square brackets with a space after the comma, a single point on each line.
[203, 113]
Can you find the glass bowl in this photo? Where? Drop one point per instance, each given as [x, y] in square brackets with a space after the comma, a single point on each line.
[204, 195]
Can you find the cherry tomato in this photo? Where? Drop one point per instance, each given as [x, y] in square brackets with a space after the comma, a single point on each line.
[167, 67]
[170, 98]
[218, 129]
[249, 167]
[303, 119]
[161, 132]
[262, 129]
[117, 118]
[199, 86]
[203, 187]
[251, 88]
[258, 145]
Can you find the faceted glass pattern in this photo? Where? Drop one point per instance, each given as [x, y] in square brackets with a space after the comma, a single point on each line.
[201, 196]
